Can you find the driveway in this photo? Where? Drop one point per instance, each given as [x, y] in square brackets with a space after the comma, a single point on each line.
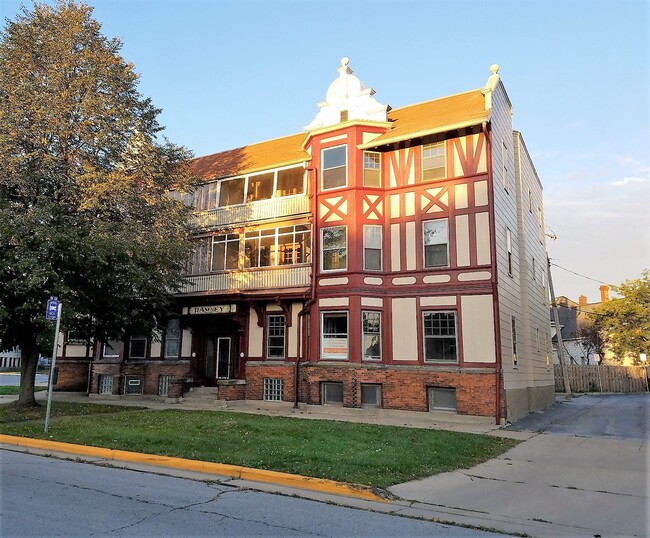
[581, 470]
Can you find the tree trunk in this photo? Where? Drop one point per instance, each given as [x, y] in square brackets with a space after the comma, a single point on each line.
[28, 364]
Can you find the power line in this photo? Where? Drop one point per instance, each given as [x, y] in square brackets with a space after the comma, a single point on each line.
[578, 274]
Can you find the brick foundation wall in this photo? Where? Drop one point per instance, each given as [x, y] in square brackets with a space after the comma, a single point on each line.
[150, 371]
[255, 374]
[231, 391]
[402, 388]
[72, 375]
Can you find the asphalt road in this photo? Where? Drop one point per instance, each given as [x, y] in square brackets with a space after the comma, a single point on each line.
[48, 497]
[621, 416]
[13, 380]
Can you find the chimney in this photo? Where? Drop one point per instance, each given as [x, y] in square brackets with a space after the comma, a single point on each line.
[582, 300]
[604, 294]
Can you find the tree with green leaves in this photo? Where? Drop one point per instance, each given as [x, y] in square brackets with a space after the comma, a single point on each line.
[84, 176]
[625, 321]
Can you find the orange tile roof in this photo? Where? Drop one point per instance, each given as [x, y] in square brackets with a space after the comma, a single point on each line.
[247, 159]
[434, 116]
[430, 117]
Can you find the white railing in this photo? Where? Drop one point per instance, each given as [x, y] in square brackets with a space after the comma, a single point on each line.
[251, 279]
[265, 209]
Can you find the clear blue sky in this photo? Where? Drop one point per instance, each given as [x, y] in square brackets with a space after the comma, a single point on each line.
[229, 73]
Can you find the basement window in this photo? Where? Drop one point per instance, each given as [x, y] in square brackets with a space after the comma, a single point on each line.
[332, 393]
[442, 399]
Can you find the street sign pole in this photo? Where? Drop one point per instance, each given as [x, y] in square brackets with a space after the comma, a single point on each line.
[53, 364]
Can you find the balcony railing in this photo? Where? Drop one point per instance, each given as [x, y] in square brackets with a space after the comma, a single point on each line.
[253, 279]
[253, 211]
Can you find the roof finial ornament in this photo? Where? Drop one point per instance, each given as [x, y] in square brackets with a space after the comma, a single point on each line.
[345, 69]
[494, 69]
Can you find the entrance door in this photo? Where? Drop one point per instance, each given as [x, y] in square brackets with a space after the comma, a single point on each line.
[217, 357]
[223, 357]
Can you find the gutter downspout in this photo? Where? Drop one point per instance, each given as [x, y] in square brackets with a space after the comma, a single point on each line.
[312, 298]
[495, 287]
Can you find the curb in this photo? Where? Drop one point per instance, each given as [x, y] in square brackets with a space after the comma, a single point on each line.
[232, 471]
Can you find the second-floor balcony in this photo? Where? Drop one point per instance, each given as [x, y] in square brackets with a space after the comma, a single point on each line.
[248, 280]
[253, 211]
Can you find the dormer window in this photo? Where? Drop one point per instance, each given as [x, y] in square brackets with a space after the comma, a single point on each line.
[344, 115]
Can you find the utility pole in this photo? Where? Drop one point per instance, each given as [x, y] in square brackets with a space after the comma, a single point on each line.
[558, 331]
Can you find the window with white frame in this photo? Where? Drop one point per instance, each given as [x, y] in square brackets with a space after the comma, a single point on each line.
[287, 245]
[334, 248]
[371, 335]
[505, 179]
[172, 339]
[433, 161]
[260, 187]
[372, 251]
[205, 196]
[232, 192]
[439, 332]
[111, 348]
[275, 336]
[371, 169]
[273, 389]
[334, 335]
[225, 252]
[509, 250]
[138, 346]
[335, 167]
[513, 324]
[435, 241]
[291, 181]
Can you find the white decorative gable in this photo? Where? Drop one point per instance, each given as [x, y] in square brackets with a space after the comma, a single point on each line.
[347, 99]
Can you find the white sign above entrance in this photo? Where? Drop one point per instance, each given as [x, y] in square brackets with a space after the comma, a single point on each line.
[212, 309]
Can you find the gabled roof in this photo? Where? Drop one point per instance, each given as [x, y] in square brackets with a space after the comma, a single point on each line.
[436, 116]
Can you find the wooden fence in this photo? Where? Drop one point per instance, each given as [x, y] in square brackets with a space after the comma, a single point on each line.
[593, 378]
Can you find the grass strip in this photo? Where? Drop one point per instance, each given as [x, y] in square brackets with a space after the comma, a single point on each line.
[11, 390]
[368, 454]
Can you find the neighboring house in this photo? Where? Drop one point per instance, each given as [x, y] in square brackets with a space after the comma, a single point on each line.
[381, 257]
[10, 359]
[574, 318]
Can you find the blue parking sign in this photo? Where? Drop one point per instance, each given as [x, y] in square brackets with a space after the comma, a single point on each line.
[52, 311]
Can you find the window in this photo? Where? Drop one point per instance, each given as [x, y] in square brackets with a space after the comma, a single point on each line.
[133, 384]
[334, 248]
[232, 192]
[332, 393]
[530, 201]
[260, 187]
[433, 161]
[273, 389]
[370, 395]
[335, 167]
[138, 346]
[205, 197]
[548, 355]
[198, 262]
[275, 336]
[534, 270]
[371, 335]
[514, 340]
[435, 235]
[290, 182]
[440, 336]
[537, 339]
[372, 248]
[509, 250]
[343, 115]
[540, 224]
[277, 246]
[112, 348]
[163, 385]
[505, 180]
[105, 384]
[371, 169]
[442, 399]
[172, 339]
[225, 252]
[334, 340]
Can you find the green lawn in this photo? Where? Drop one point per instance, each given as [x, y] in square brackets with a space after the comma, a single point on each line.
[12, 391]
[373, 455]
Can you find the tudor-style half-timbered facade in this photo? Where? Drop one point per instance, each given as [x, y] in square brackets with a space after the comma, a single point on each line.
[381, 258]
